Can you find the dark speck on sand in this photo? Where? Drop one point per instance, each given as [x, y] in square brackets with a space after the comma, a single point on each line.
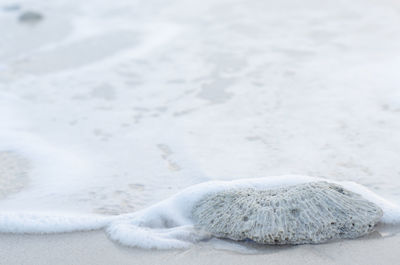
[30, 17]
[11, 7]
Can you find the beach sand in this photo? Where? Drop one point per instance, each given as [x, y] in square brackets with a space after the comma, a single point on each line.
[111, 108]
[95, 248]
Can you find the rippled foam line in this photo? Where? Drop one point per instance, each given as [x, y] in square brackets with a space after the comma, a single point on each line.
[47, 223]
[152, 238]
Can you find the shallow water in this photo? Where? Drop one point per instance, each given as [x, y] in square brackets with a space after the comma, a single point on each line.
[117, 107]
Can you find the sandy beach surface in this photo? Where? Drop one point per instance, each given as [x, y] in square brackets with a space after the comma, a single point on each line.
[110, 107]
[95, 248]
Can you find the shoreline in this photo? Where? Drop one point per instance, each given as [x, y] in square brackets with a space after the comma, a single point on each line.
[95, 248]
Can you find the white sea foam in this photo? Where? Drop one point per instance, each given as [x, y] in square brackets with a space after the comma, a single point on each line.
[118, 107]
[46, 223]
[54, 168]
[168, 223]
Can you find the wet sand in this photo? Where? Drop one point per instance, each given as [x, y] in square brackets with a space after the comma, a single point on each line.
[95, 248]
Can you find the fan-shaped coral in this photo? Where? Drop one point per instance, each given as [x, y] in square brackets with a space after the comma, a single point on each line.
[306, 213]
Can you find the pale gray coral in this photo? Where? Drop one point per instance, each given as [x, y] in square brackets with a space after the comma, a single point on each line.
[306, 213]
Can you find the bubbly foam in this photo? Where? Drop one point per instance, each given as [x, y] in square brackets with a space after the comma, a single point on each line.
[168, 224]
[118, 107]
